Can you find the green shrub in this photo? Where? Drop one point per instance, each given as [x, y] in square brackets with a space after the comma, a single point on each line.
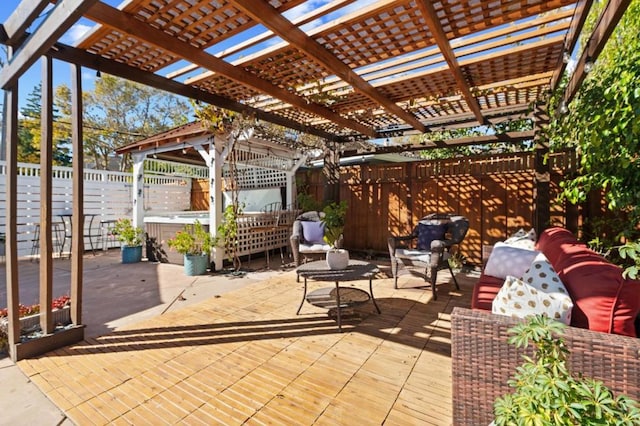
[191, 240]
[547, 394]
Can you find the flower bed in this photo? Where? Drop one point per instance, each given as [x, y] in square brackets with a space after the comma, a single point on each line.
[30, 320]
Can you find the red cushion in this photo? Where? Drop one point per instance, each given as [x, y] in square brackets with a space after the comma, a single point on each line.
[556, 242]
[603, 301]
[485, 291]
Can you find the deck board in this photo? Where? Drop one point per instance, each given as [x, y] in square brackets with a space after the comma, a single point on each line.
[246, 357]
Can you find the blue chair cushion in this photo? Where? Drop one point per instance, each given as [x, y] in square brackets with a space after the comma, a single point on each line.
[429, 232]
[313, 232]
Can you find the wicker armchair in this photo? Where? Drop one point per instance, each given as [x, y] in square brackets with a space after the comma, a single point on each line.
[425, 262]
[483, 362]
[302, 249]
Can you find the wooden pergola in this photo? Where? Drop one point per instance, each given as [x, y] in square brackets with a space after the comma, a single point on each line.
[346, 71]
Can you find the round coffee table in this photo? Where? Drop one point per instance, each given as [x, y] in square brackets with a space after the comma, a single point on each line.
[338, 297]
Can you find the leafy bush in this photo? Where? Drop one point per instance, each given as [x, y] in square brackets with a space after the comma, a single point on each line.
[127, 234]
[547, 394]
[334, 220]
[191, 240]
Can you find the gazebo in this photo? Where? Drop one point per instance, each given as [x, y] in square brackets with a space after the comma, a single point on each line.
[345, 72]
[194, 144]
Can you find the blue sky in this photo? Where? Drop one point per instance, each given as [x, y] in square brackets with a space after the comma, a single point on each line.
[61, 70]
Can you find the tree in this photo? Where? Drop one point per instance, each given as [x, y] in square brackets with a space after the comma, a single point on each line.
[603, 122]
[30, 133]
[118, 112]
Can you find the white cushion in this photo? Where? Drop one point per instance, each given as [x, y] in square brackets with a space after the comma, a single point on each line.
[413, 254]
[539, 292]
[508, 260]
[543, 277]
[523, 239]
[314, 248]
[518, 299]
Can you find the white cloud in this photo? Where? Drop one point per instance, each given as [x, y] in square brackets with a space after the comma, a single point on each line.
[303, 9]
[75, 33]
[88, 75]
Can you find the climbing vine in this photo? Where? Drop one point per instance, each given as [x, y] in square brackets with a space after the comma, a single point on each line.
[603, 121]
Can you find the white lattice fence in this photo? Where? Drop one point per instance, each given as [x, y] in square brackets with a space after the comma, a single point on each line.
[107, 195]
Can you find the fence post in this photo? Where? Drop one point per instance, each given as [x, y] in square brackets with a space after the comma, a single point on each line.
[542, 215]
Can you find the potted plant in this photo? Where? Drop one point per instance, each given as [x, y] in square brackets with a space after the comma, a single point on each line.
[194, 242]
[547, 393]
[334, 220]
[131, 238]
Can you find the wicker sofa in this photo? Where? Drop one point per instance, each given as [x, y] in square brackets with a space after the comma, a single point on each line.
[483, 361]
[601, 337]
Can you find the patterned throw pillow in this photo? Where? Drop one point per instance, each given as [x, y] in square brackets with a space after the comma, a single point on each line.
[539, 292]
[507, 260]
[523, 239]
[429, 232]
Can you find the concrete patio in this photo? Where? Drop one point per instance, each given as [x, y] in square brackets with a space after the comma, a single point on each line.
[163, 348]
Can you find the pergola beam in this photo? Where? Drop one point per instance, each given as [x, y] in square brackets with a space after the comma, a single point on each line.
[577, 23]
[507, 137]
[22, 17]
[74, 55]
[64, 14]
[304, 19]
[429, 13]
[126, 23]
[265, 13]
[607, 22]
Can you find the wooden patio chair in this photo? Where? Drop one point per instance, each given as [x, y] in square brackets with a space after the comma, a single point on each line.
[428, 248]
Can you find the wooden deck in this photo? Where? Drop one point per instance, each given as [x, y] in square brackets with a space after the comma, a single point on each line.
[246, 357]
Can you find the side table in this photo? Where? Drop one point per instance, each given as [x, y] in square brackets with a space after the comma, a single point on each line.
[337, 297]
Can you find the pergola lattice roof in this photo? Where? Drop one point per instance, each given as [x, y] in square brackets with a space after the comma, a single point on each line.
[346, 70]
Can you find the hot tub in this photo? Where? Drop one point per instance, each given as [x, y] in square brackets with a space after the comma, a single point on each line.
[162, 227]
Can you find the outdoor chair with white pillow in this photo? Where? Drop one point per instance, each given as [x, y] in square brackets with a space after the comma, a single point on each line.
[307, 237]
[428, 248]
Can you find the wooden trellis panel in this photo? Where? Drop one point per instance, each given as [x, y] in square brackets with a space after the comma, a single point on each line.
[496, 193]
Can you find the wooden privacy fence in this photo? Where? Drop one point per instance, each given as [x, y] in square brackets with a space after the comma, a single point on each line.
[496, 193]
[106, 194]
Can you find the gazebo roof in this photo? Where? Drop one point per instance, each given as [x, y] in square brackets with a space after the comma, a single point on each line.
[347, 70]
[178, 144]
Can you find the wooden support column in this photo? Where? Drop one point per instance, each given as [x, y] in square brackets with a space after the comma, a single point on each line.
[292, 190]
[542, 208]
[137, 190]
[11, 228]
[409, 191]
[331, 172]
[215, 160]
[77, 246]
[46, 197]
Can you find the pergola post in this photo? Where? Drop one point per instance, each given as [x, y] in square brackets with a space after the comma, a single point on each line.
[542, 209]
[11, 227]
[46, 199]
[292, 190]
[215, 161]
[331, 173]
[77, 243]
[137, 192]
